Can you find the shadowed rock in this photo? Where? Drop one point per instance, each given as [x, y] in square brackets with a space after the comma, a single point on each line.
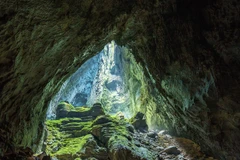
[139, 122]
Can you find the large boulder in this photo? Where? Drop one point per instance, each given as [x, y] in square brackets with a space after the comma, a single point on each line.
[139, 122]
[121, 148]
[62, 109]
[97, 110]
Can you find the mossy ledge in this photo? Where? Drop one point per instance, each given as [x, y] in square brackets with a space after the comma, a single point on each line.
[84, 135]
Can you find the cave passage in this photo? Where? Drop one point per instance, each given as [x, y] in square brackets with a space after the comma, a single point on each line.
[112, 78]
[179, 67]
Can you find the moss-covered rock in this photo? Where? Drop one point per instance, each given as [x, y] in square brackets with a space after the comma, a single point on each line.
[102, 119]
[62, 109]
[123, 149]
[64, 140]
[65, 109]
[104, 136]
[71, 147]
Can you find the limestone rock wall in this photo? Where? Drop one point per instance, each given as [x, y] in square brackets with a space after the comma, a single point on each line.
[189, 51]
[77, 88]
[108, 85]
[42, 44]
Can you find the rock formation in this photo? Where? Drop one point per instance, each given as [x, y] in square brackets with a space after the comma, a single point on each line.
[189, 52]
[77, 88]
[89, 133]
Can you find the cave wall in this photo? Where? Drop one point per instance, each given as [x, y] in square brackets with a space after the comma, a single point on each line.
[189, 51]
[77, 88]
[108, 85]
[194, 63]
[42, 44]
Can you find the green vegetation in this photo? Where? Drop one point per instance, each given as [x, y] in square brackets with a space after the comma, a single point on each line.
[82, 109]
[91, 136]
[72, 146]
[67, 136]
[65, 106]
[69, 107]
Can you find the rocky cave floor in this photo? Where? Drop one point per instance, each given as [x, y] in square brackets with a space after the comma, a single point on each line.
[90, 134]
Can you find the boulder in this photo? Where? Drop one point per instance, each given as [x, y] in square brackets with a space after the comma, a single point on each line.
[103, 132]
[93, 150]
[130, 128]
[152, 135]
[97, 110]
[119, 149]
[102, 119]
[62, 109]
[139, 115]
[139, 122]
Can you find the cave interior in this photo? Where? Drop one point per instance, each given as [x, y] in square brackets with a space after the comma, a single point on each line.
[173, 74]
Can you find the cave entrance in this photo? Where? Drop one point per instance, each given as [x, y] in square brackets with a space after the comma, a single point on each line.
[87, 117]
[112, 78]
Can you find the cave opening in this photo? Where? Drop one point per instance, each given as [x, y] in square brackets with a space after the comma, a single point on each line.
[108, 96]
[112, 78]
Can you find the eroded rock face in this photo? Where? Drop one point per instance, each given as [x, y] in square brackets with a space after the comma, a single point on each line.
[77, 88]
[189, 51]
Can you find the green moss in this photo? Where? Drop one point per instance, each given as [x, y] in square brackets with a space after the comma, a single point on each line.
[82, 109]
[72, 146]
[67, 106]
[69, 120]
[62, 135]
[53, 123]
[120, 143]
[67, 136]
[103, 119]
